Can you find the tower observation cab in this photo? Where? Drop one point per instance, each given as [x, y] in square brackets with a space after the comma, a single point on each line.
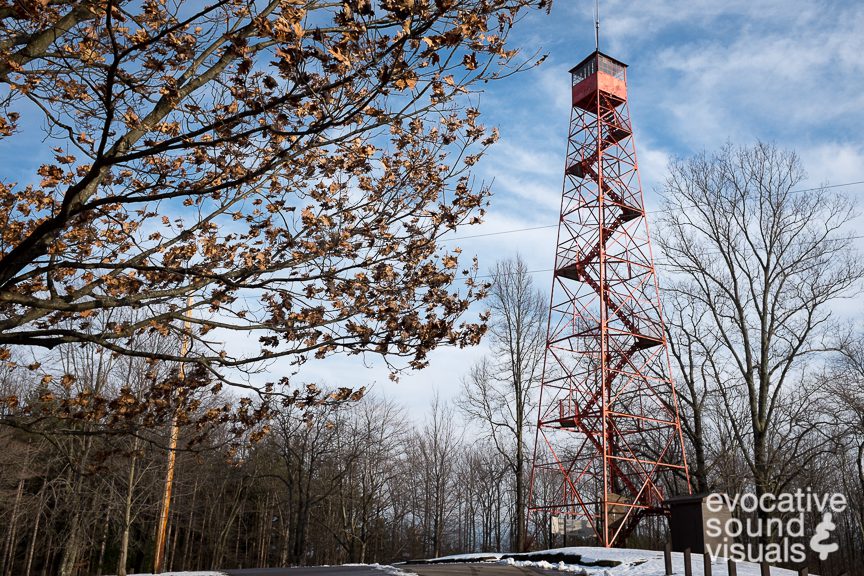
[609, 434]
[598, 73]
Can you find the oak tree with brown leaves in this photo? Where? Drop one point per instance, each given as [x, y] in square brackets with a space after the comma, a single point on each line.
[279, 172]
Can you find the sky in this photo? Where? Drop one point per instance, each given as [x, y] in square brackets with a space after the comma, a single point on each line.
[701, 73]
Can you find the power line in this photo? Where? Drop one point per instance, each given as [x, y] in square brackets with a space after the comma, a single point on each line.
[514, 273]
[659, 262]
[658, 211]
[514, 230]
[824, 187]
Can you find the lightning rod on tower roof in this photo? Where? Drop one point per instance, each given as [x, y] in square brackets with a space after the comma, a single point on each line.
[597, 25]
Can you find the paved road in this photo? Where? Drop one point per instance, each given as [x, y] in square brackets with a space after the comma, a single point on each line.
[473, 569]
[469, 569]
[309, 571]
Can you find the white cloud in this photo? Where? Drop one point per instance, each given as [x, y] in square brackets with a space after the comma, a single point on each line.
[834, 163]
[765, 80]
[703, 73]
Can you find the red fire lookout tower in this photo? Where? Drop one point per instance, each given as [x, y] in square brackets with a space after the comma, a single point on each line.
[608, 433]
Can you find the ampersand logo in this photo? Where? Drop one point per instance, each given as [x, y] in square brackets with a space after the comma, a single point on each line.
[823, 533]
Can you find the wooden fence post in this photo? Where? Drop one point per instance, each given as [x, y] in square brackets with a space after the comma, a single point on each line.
[765, 569]
[667, 558]
[706, 563]
[731, 567]
[802, 571]
[688, 568]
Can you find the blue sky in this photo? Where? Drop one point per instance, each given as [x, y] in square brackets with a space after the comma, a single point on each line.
[701, 73]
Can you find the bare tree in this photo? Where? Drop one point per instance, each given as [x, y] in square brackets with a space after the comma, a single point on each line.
[499, 388]
[372, 442]
[690, 345]
[845, 385]
[435, 448]
[765, 263]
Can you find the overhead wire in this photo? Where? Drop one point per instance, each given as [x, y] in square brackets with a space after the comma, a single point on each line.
[657, 211]
[659, 262]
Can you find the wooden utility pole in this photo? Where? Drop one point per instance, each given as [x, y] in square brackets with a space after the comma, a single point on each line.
[159, 555]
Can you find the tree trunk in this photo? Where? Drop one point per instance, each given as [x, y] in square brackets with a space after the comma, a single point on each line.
[860, 502]
[175, 535]
[48, 553]
[32, 548]
[701, 472]
[225, 531]
[519, 543]
[72, 548]
[187, 542]
[127, 513]
[761, 475]
[9, 548]
[103, 541]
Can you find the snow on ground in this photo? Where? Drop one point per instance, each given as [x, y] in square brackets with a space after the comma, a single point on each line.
[650, 563]
[474, 556]
[386, 568]
[632, 562]
[580, 560]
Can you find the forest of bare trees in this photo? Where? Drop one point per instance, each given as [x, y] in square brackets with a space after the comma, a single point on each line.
[350, 482]
[353, 479]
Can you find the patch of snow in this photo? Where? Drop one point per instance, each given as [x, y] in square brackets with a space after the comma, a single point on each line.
[386, 568]
[467, 557]
[544, 565]
[591, 554]
[632, 562]
[646, 563]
